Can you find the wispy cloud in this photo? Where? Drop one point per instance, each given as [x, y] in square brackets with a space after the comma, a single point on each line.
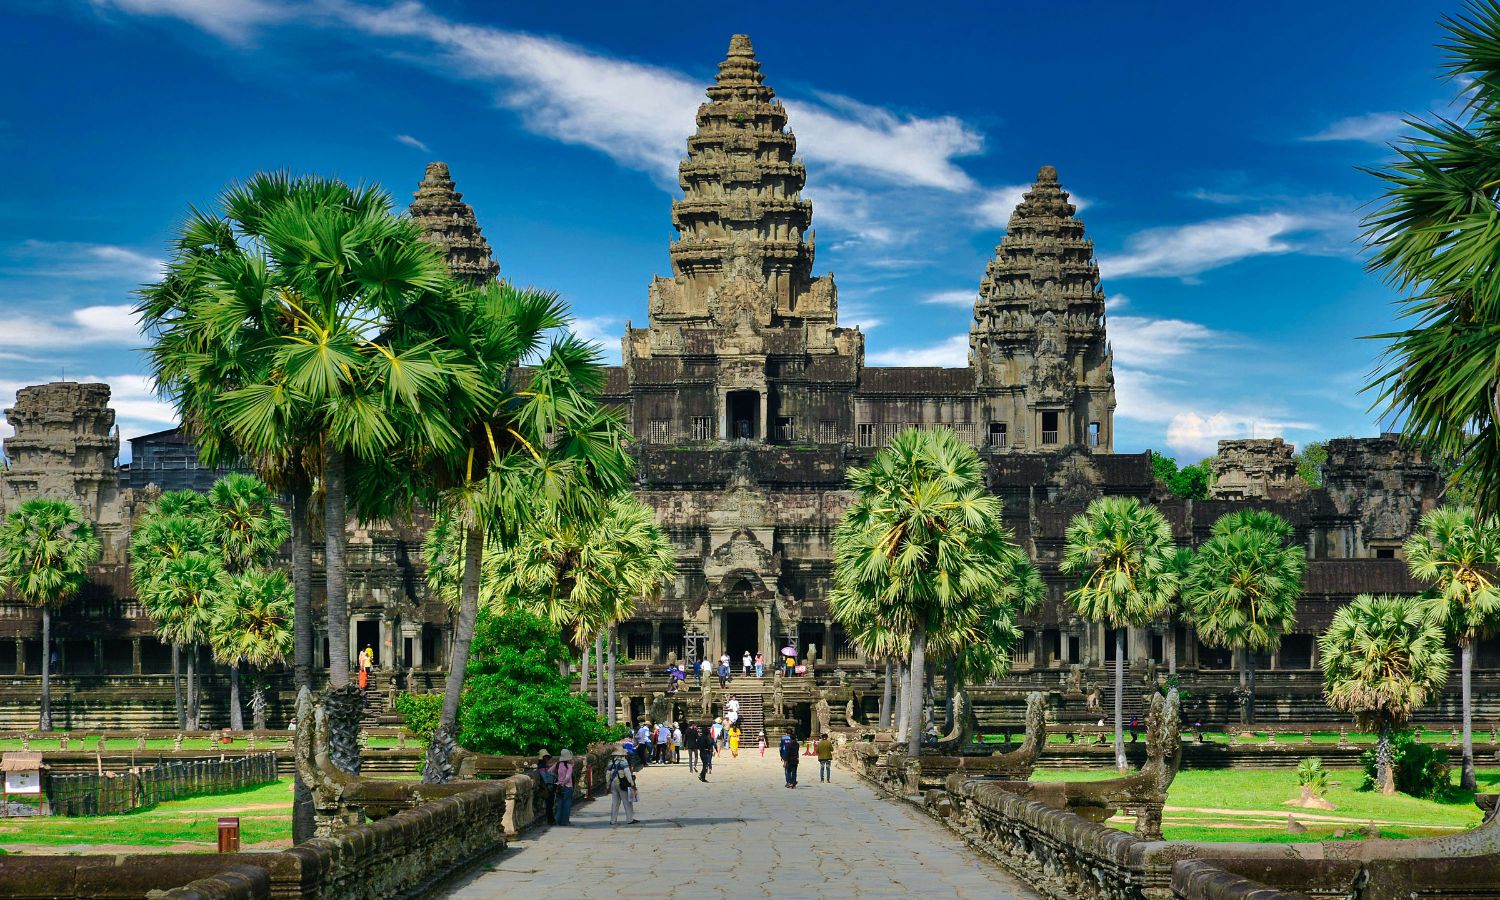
[959, 298]
[1115, 303]
[231, 20]
[1146, 341]
[88, 325]
[1183, 251]
[604, 331]
[138, 409]
[1197, 434]
[952, 352]
[64, 259]
[1371, 128]
[410, 141]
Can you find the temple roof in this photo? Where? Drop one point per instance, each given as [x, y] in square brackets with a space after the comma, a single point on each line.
[449, 223]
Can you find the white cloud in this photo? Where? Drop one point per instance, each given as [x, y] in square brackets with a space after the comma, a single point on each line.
[410, 141]
[1372, 128]
[85, 326]
[1145, 341]
[849, 210]
[229, 19]
[908, 150]
[953, 352]
[1197, 434]
[1186, 250]
[65, 259]
[1115, 303]
[858, 314]
[959, 298]
[996, 204]
[138, 409]
[605, 331]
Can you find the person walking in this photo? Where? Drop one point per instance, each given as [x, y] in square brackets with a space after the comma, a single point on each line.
[548, 776]
[762, 743]
[663, 737]
[760, 665]
[691, 736]
[824, 747]
[734, 741]
[564, 770]
[705, 753]
[622, 791]
[745, 664]
[789, 751]
[724, 674]
[674, 747]
[643, 742]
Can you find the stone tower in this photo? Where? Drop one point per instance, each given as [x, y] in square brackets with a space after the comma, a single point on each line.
[64, 448]
[742, 309]
[449, 222]
[1043, 365]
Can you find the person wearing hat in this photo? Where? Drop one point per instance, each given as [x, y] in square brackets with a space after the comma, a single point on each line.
[563, 772]
[622, 787]
[548, 776]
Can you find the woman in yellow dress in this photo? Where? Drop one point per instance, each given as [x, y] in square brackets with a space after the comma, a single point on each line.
[734, 740]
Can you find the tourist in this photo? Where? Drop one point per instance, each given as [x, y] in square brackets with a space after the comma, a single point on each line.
[760, 665]
[789, 751]
[675, 747]
[563, 769]
[714, 731]
[724, 735]
[548, 777]
[734, 741]
[705, 753]
[791, 662]
[692, 738]
[724, 673]
[745, 664]
[762, 743]
[663, 737]
[733, 708]
[825, 758]
[643, 742]
[621, 781]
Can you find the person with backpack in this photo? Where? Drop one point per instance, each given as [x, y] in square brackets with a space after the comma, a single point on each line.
[705, 752]
[692, 745]
[562, 772]
[548, 777]
[622, 789]
[825, 758]
[789, 751]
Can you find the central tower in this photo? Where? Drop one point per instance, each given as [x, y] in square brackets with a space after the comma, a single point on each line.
[733, 347]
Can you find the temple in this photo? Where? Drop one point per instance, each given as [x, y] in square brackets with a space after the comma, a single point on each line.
[748, 402]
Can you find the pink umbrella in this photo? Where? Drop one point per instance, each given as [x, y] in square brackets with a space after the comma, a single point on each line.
[788, 651]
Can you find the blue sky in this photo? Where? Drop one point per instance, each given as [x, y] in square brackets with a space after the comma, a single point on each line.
[1213, 148]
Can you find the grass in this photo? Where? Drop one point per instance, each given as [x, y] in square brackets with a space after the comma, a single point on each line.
[265, 815]
[1246, 805]
[1220, 737]
[82, 740]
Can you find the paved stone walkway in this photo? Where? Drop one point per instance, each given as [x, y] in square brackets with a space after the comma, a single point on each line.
[744, 835]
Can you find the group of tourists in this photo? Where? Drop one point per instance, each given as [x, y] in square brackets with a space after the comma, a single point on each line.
[749, 665]
[791, 749]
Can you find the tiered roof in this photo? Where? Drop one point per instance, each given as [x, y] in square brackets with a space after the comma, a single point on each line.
[449, 222]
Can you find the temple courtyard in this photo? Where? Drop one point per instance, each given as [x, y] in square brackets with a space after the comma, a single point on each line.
[743, 834]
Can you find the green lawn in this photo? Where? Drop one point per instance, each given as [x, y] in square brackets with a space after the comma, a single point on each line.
[265, 815]
[1246, 805]
[1220, 737]
[82, 740]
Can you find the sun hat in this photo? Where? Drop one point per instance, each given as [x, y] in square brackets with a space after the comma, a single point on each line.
[566, 756]
[542, 754]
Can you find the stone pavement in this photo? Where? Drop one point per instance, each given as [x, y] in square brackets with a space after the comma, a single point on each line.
[744, 835]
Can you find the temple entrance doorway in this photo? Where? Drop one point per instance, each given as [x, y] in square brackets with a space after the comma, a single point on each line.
[367, 634]
[742, 413]
[740, 634]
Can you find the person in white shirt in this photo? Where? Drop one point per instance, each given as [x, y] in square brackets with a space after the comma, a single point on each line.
[746, 663]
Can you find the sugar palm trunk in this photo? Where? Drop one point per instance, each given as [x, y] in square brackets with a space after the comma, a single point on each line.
[468, 614]
[902, 707]
[1249, 686]
[335, 523]
[1385, 761]
[177, 685]
[192, 688]
[1171, 641]
[614, 706]
[1467, 780]
[45, 721]
[236, 714]
[599, 682]
[918, 677]
[1120, 700]
[950, 679]
[304, 821]
[583, 676]
[885, 694]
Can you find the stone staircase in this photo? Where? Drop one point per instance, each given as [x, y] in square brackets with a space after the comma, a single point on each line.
[752, 717]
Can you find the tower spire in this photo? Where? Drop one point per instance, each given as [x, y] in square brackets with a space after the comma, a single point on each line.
[449, 223]
[1038, 331]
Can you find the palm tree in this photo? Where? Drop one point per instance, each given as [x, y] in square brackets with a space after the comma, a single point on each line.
[180, 598]
[168, 529]
[249, 526]
[1383, 657]
[297, 328]
[1123, 550]
[1457, 552]
[46, 548]
[920, 545]
[1181, 560]
[251, 622]
[1242, 587]
[1433, 235]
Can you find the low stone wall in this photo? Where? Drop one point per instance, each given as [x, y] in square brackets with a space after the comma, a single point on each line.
[95, 794]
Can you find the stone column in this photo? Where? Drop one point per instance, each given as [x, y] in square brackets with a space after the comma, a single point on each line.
[724, 426]
[387, 649]
[353, 643]
[62, 653]
[765, 427]
[766, 649]
[1276, 658]
[1314, 663]
[1039, 649]
[828, 654]
[135, 655]
[98, 656]
[656, 641]
[20, 656]
[715, 636]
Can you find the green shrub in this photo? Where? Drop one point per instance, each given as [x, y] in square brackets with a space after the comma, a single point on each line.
[1421, 770]
[1312, 775]
[420, 713]
[515, 699]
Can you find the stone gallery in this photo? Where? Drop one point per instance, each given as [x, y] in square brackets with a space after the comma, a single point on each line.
[748, 402]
